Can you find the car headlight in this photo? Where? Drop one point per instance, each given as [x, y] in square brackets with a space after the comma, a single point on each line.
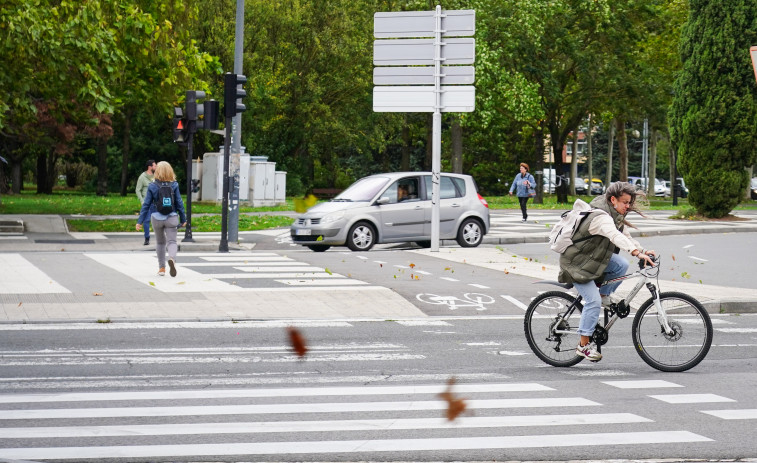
[333, 217]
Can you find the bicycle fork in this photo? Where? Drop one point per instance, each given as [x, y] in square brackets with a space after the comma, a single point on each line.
[662, 316]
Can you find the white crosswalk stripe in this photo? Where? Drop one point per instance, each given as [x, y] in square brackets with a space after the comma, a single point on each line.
[81, 425]
[209, 272]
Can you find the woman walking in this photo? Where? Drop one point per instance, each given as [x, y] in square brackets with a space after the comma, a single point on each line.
[164, 194]
[523, 185]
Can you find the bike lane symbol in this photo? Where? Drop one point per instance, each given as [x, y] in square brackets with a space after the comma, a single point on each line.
[475, 300]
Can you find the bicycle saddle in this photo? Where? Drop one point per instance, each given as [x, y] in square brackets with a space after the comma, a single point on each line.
[553, 282]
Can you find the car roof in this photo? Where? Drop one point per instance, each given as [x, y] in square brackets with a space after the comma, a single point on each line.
[395, 175]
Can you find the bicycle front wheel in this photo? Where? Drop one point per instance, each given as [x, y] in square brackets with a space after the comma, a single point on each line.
[689, 342]
[547, 328]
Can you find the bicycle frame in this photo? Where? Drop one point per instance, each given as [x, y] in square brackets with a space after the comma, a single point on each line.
[613, 314]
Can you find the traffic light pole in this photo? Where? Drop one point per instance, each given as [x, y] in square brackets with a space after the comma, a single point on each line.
[224, 245]
[190, 155]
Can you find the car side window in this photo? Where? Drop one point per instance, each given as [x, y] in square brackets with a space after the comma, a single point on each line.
[449, 187]
[403, 190]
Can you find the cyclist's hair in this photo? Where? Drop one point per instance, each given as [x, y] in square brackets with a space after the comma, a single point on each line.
[638, 198]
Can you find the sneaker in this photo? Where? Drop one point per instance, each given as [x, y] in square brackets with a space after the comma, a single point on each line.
[173, 267]
[147, 241]
[161, 271]
[524, 220]
[609, 299]
[589, 351]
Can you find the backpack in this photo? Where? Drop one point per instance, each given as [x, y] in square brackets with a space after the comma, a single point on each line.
[561, 235]
[164, 202]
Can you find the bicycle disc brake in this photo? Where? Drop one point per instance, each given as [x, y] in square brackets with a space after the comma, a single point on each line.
[600, 336]
[557, 337]
[677, 331]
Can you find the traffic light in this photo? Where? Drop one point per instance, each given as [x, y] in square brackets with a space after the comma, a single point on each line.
[179, 125]
[194, 111]
[232, 107]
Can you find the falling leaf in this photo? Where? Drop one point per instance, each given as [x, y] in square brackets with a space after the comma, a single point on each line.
[686, 275]
[97, 294]
[455, 406]
[381, 265]
[19, 304]
[412, 265]
[395, 277]
[320, 238]
[297, 341]
[328, 271]
[302, 205]
[506, 272]
[151, 283]
[674, 257]
[543, 268]
[181, 283]
[446, 269]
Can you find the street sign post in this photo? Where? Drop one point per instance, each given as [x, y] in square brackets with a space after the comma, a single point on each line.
[422, 84]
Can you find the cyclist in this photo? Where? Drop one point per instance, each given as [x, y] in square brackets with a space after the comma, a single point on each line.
[593, 258]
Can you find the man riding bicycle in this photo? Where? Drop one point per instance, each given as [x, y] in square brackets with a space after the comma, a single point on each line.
[593, 258]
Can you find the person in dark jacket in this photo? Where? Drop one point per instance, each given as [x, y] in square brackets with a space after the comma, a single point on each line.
[164, 225]
[523, 185]
[591, 261]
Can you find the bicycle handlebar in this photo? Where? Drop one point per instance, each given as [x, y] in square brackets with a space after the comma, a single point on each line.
[655, 260]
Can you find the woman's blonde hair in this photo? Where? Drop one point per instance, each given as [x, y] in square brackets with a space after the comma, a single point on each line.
[164, 172]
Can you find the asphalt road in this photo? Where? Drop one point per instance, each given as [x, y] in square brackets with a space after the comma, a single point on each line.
[365, 391]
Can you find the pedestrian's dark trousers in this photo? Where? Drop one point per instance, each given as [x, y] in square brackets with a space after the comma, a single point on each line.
[523, 200]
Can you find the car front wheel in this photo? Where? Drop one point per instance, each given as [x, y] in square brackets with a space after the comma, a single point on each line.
[320, 248]
[470, 233]
[361, 237]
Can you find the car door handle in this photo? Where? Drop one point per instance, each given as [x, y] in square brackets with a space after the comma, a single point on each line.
[418, 208]
[455, 205]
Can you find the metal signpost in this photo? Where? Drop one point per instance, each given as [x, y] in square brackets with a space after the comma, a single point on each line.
[427, 86]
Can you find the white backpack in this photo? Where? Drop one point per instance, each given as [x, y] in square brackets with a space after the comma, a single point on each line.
[561, 235]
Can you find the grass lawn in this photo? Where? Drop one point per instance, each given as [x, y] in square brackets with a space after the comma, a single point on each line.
[78, 203]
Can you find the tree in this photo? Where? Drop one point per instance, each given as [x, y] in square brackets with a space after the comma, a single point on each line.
[713, 118]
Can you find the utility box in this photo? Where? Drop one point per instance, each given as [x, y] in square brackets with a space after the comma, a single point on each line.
[262, 183]
[211, 187]
[279, 195]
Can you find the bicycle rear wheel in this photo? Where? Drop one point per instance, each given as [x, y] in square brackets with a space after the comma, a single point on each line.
[543, 317]
[691, 338]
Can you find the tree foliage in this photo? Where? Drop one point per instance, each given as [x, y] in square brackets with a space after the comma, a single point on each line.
[713, 118]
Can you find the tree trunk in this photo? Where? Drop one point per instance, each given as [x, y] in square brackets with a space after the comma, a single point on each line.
[539, 156]
[573, 162]
[102, 166]
[620, 126]
[429, 142]
[611, 142]
[457, 145]
[16, 180]
[405, 162]
[126, 152]
[589, 156]
[42, 186]
[652, 162]
[561, 189]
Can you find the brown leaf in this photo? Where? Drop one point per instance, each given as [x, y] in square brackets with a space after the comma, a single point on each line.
[297, 341]
[97, 294]
[674, 258]
[543, 268]
[412, 265]
[455, 406]
[19, 304]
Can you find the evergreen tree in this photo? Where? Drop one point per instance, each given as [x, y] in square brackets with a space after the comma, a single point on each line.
[713, 118]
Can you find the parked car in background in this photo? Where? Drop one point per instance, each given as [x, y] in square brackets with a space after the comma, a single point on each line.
[753, 188]
[597, 186]
[666, 184]
[641, 184]
[684, 192]
[581, 187]
[395, 207]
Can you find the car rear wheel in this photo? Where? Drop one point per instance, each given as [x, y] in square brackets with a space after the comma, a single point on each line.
[470, 234]
[362, 237]
[316, 248]
[424, 244]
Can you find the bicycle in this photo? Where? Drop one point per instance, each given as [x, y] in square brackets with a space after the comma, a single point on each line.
[476, 300]
[671, 331]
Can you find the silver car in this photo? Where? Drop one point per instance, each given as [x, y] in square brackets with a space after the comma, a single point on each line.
[395, 207]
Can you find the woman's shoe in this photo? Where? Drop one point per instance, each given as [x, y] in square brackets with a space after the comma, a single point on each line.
[162, 271]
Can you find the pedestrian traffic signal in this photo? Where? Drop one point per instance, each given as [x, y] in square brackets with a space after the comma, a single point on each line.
[179, 125]
[210, 120]
[232, 93]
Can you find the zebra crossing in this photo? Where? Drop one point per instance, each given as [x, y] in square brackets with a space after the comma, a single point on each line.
[198, 272]
[318, 422]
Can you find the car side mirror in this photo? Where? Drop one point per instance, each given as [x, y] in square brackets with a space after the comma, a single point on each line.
[383, 200]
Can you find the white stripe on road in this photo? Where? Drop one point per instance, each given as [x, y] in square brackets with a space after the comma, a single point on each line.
[302, 268]
[19, 276]
[744, 414]
[391, 424]
[448, 279]
[273, 276]
[241, 263]
[277, 392]
[335, 281]
[326, 407]
[514, 301]
[475, 285]
[736, 330]
[354, 446]
[268, 257]
[174, 325]
[691, 398]
[643, 384]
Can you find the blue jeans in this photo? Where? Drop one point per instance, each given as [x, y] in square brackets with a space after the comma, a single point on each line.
[592, 299]
[146, 223]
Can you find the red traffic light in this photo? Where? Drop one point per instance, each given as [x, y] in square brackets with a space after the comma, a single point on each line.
[180, 126]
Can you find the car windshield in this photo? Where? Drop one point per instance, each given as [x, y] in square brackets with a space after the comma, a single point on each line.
[364, 189]
[754, 182]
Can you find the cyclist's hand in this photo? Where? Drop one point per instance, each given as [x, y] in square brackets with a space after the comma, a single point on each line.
[646, 258]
